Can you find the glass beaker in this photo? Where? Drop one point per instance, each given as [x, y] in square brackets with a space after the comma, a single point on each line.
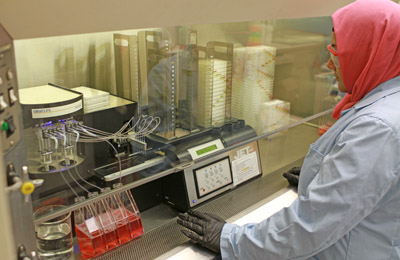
[54, 237]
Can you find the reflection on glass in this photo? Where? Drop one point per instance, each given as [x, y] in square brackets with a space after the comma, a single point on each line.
[165, 90]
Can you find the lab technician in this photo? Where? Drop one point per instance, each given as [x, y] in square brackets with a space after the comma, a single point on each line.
[348, 204]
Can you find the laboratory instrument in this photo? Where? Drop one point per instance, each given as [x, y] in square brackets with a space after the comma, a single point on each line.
[179, 138]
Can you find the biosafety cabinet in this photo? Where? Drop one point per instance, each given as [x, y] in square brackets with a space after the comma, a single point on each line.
[116, 116]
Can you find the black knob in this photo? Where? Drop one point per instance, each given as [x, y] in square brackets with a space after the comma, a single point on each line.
[11, 126]
[226, 127]
[235, 125]
[216, 131]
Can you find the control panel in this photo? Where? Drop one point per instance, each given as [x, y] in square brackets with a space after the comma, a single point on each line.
[213, 177]
[10, 134]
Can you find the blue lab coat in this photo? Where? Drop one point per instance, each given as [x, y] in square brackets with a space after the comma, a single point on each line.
[349, 193]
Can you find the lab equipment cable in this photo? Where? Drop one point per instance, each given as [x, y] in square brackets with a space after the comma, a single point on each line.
[61, 173]
[77, 182]
[68, 166]
[64, 138]
[116, 153]
[119, 161]
[143, 128]
[102, 135]
[69, 185]
[86, 134]
[76, 168]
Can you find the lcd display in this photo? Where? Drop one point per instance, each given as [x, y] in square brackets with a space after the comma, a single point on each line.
[206, 149]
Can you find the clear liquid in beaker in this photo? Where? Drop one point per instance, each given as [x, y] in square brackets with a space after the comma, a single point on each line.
[54, 237]
[54, 242]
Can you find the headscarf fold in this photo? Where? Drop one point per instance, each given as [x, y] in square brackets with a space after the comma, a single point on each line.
[368, 44]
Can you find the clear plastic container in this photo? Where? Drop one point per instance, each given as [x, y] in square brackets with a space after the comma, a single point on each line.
[106, 221]
[88, 231]
[120, 217]
[131, 210]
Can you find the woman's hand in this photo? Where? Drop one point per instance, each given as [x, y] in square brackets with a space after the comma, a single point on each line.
[293, 176]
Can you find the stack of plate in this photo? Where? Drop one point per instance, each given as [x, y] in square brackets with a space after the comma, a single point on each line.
[252, 86]
[212, 91]
[274, 115]
[93, 99]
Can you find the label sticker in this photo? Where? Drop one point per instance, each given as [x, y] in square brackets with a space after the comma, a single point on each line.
[245, 168]
[56, 111]
[91, 225]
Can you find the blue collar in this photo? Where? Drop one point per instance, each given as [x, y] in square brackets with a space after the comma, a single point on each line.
[382, 90]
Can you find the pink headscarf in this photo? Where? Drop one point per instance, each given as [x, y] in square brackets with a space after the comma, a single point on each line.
[368, 42]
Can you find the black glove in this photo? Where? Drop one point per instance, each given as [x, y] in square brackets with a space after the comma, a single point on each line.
[293, 176]
[207, 228]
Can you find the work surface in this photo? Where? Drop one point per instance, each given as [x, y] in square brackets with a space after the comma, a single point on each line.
[247, 203]
[190, 251]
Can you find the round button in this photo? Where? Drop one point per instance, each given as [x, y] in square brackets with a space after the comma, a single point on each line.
[10, 75]
[27, 188]
[4, 126]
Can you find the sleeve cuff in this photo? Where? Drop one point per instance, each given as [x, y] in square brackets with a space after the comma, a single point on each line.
[225, 241]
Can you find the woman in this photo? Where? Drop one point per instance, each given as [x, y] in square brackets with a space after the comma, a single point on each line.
[349, 190]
